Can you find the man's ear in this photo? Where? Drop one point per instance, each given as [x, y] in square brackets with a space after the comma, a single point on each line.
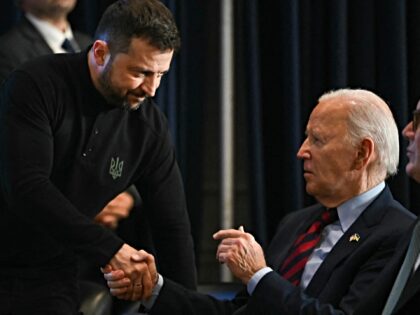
[365, 153]
[100, 52]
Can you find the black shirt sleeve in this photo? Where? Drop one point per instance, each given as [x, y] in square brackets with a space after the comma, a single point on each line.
[27, 158]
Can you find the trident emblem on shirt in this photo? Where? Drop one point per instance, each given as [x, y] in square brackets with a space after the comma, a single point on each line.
[116, 167]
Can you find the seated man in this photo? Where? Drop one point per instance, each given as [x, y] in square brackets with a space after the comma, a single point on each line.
[397, 289]
[323, 258]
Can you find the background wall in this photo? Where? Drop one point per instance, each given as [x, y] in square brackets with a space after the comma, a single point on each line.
[287, 53]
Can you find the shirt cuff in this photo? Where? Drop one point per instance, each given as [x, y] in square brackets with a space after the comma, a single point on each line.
[148, 304]
[252, 284]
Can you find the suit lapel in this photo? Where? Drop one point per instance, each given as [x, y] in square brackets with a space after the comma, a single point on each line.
[39, 45]
[364, 226]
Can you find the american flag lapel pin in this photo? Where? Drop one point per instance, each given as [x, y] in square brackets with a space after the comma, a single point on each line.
[354, 238]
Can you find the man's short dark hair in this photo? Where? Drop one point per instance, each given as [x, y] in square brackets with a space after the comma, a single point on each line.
[146, 19]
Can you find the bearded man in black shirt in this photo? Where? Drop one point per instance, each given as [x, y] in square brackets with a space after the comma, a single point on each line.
[76, 130]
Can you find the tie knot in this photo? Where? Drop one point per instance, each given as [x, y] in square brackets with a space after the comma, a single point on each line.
[328, 216]
[68, 46]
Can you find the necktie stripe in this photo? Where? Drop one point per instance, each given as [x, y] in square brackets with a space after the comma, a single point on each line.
[301, 249]
[295, 282]
[311, 231]
[296, 268]
[315, 227]
[292, 268]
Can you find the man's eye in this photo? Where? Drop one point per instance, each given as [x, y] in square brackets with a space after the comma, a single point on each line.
[138, 75]
[316, 140]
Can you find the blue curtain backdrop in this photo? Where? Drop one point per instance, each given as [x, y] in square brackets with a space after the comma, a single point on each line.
[287, 53]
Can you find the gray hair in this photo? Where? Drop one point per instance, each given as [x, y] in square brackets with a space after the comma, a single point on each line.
[370, 117]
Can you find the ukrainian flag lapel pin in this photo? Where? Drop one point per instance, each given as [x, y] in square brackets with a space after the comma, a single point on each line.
[354, 238]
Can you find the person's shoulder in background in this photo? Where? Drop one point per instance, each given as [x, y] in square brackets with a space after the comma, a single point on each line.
[84, 40]
[20, 44]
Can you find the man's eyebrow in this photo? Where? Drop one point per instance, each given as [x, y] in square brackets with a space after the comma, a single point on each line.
[140, 69]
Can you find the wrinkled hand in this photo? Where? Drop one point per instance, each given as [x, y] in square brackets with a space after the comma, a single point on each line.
[117, 209]
[240, 252]
[131, 274]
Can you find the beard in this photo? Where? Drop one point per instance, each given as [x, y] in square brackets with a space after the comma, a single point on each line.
[111, 94]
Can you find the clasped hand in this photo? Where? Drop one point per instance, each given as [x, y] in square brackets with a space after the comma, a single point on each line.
[131, 274]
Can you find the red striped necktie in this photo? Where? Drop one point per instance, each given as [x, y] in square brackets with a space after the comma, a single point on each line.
[292, 268]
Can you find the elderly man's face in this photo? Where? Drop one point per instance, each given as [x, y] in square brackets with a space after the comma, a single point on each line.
[328, 158]
[413, 148]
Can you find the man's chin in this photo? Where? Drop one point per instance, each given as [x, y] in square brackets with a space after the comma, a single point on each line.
[132, 105]
[413, 172]
[311, 189]
[132, 102]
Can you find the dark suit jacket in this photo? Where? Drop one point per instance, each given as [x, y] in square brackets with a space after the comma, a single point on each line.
[23, 42]
[409, 301]
[341, 282]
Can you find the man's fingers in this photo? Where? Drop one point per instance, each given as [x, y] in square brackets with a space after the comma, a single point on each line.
[142, 256]
[234, 234]
[106, 269]
[114, 275]
[122, 283]
[148, 285]
[143, 287]
[137, 292]
[119, 292]
[227, 233]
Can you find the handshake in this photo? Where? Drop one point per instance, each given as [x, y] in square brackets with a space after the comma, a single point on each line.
[132, 275]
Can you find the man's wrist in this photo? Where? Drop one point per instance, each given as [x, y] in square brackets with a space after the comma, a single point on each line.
[146, 305]
[253, 282]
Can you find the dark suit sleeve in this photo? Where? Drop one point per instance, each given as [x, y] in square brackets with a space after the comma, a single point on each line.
[275, 295]
[175, 299]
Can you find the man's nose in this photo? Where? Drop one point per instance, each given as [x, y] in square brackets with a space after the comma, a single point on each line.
[303, 152]
[408, 131]
[150, 85]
